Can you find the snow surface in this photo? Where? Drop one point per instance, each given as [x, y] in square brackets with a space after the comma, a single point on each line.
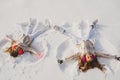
[60, 12]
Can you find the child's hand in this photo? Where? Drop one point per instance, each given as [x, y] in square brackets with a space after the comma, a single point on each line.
[7, 36]
[117, 58]
[60, 61]
[39, 55]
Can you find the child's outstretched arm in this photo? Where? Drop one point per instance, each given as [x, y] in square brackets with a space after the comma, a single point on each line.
[10, 39]
[34, 52]
[73, 57]
[108, 56]
[104, 55]
[31, 50]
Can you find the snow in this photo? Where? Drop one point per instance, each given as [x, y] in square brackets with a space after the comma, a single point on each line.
[66, 13]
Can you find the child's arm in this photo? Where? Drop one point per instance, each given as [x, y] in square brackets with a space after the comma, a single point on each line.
[108, 56]
[103, 55]
[29, 49]
[10, 39]
[34, 52]
[73, 57]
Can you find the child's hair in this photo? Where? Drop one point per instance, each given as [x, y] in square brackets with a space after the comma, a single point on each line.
[12, 52]
[84, 66]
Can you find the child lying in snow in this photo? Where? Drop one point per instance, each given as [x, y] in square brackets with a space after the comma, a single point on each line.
[87, 56]
[19, 47]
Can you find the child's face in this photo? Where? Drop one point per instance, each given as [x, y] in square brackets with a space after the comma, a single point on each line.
[14, 47]
[88, 57]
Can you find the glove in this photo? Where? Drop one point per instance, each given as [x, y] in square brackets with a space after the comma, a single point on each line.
[117, 58]
[57, 28]
[39, 55]
[60, 61]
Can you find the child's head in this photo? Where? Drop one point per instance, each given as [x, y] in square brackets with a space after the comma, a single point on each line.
[88, 57]
[90, 64]
[12, 52]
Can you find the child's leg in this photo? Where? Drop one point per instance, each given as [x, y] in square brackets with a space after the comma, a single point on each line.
[40, 26]
[93, 30]
[31, 26]
[36, 34]
[60, 29]
[94, 23]
[63, 31]
[77, 40]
